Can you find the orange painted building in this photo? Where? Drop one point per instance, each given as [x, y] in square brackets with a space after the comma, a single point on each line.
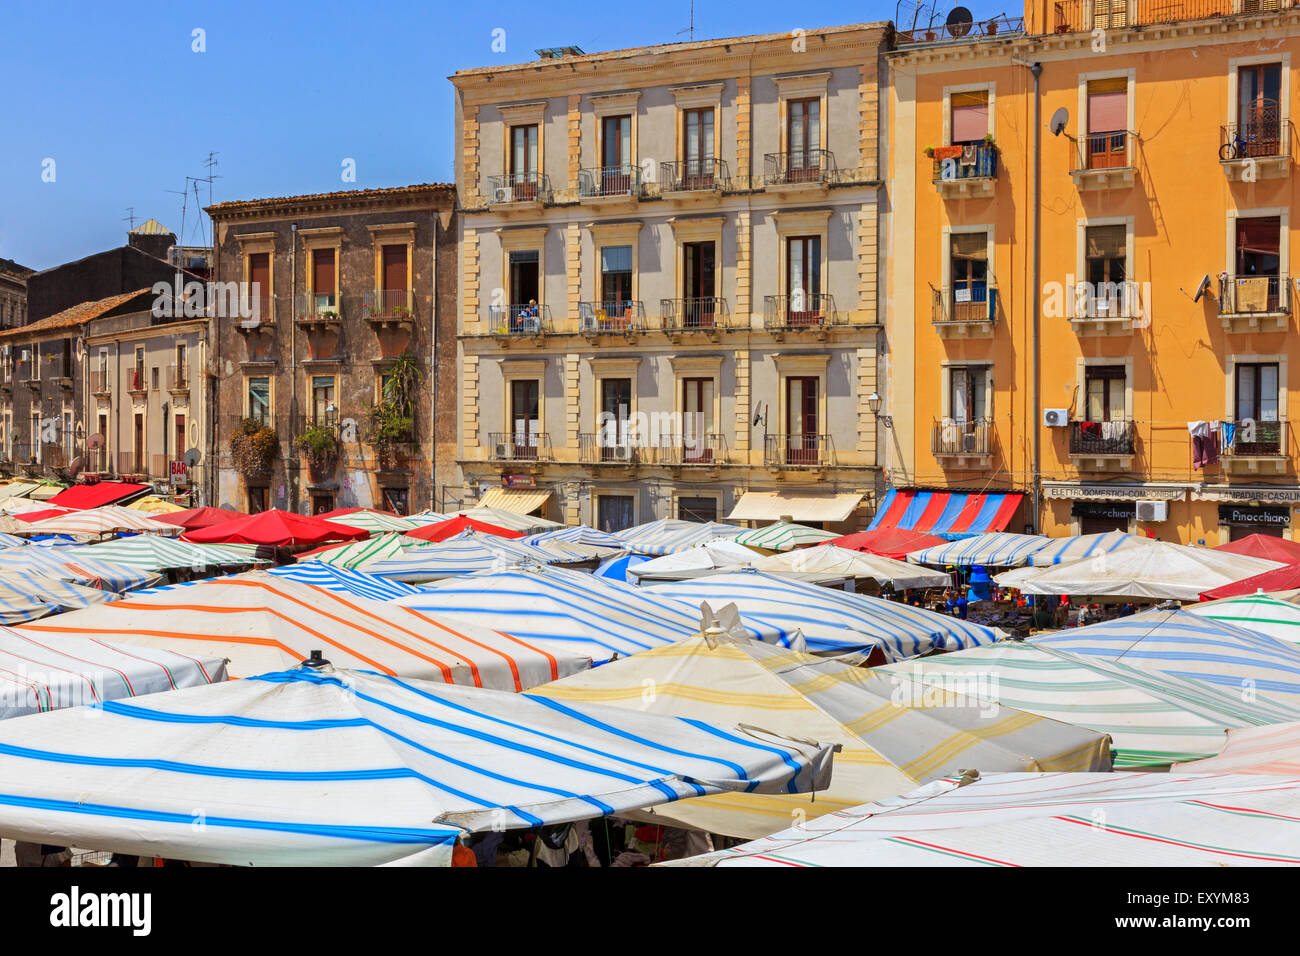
[1157, 402]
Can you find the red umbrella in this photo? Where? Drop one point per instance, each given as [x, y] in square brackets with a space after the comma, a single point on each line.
[1279, 579]
[43, 514]
[889, 542]
[1264, 546]
[281, 529]
[191, 519]
[443, 530]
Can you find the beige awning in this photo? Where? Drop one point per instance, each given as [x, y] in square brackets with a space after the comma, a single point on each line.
[522, 501]
[774, 505]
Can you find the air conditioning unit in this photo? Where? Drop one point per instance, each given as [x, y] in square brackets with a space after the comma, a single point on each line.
[1152, 510]
[1056, 417]
[502, 194]
[622, 452]
[503, 449]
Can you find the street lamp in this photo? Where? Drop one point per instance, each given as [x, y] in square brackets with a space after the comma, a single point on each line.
[873, 403]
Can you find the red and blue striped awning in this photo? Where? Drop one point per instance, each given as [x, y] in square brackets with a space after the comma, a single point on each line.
[948, 515]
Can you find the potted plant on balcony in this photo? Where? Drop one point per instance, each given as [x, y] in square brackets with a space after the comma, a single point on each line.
[929, 152]
[322, 450]
[392, 420]
[253, 446]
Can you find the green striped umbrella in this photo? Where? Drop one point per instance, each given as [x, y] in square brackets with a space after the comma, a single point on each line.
[1255, 612]
[357, 554]
[783, 536]
[376, 522]
[152, 552]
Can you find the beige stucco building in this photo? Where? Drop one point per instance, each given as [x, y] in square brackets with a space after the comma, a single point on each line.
[669, 271]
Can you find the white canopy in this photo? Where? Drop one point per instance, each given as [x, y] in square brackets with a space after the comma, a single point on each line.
[1155, 571]
[1255, 612]
[826, 561]
[692, 562]
[998, 549]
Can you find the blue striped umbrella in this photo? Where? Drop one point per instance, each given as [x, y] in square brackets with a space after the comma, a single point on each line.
[670, 534]
[28, 595]
[580, 534]
[1065, 550]
[62, 562]
[1000, 549]
[1183, 644]
[466, 553]
[831, 620]
[331, 577]
[582, 613]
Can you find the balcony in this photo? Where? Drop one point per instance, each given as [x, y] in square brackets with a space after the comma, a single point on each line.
[693, 179]
[598, 448]
[1258, 149]
[389, 307]
[518, 447]
[137, 383]
[609, 185]
[1111, 308]
[1085, 16]
[1257, 448]
[706, 314]
[702, 450]
[964, 313]
[259, 313]
[53, 456]
[797, 451]
[1001, 25]
[809, 169]
[31, 377]
[965, 172]
[802, 311]
[318, 310]
[611, 318]
[521, 191]
[1103, 446]
[101, 382]
[528, 319]
[1254, 303]
[962, 444]
[178, 379]
[1106, 161]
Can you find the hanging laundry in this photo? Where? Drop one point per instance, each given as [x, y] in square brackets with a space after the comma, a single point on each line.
[1227, 436]
[1205, 444]
[968, 155]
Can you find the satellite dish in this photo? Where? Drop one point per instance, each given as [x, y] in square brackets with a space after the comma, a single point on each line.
[193, 457]
[1201, 289]
[95, 441]
[959, 22]
[1059, 119]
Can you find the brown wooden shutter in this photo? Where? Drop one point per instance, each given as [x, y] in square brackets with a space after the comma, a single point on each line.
[322, 273]
[394, 268]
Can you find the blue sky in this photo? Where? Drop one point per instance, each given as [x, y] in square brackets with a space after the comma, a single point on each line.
[115, 95]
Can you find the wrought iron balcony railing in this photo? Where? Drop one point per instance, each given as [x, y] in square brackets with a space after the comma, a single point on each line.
[528, 187]
[694, 175]
[101, 382]
[1084, 16]
[692, 448]
[1113, 150]
[960, 438]
[318, 307]
[1256, 439]
[694, 313]
[512, 446]
[1108, 300]
[1102, 439]
[600, 182]
[999, 26]
[967, 162]
[974, 304]
[805, 450]
[178, 377]
[1266, 136]
[799, 166]
[625, 316]
[597, 447]
[800, 310]
[1254, 295]
[389, 305]
[136, 380]
[520, 319]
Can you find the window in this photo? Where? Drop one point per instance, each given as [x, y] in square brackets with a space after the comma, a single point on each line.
[697, 419]
[699, 278]
[257, 500]
[137, 373]
[181, 438]
[970, 269]
[803, 139]
[101, 453]
[970, 117]
[616, 142]
[967, 398]
[153, 378]
[1104, 387]
[525, 416]
[525, 280]
[524, 161]
[1107, 146]
[614, 513]
[697, 149]
[138, 466]
[1257, 392]
[615, 415]
[1259, 243]
[1259, 98]
[68, 436]
[396, 500]
[259, 281]
[322, 398]
[36, 438]
[393, 268]
[804, 279]
[66, 372]
[801, 409]
[323, 281]
[259, 399]
[615, 275]
[1109, 14]
[1105, 256]
[321, 503]
[697, 509]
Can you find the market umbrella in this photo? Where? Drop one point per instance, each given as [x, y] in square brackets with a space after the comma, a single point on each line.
[37, 676]
[1049, 819]
[376, 522]
[1255, 612]
[1272, 750]
[1282, 582]
[998, 549]
[1153, 719]
[153, 553]
[783, 536]
[358, 554]
[282, 529]
[830, 620]
[466, 553]
[894, 543]
[565, 610]
[667, 535]
[693, 562]
[616, 568]
[110, 519]
[191, 519]
[1078, 547]
[31, 517]
[1264, 546]
[577, 534]
[1186, 645]
[335, 767]
[527, 524]
[14, 505]
[829, 562]
[258, 620]
[341, 580]
[894, 734]
[65, 564]
[28, 595]
[152, 504]
[442, 530]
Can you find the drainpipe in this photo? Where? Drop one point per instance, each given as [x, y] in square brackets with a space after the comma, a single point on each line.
[291, 460]
[1037, 70]
[433, 362]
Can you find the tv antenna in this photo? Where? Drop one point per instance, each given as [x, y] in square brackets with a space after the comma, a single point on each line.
[690, 29]
[130, 216]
